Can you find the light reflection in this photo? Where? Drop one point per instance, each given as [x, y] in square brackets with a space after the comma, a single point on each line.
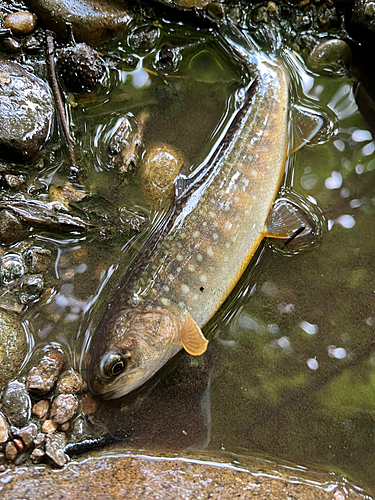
[346, 221]
[360, 135]
[285, 308]
[359, 169]
[368, 149]
[309, 328]
[336, 352]
[312, 364]
[339, 145]
[335, 181]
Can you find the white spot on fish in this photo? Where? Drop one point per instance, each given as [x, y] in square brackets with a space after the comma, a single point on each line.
[195, 297]
[215, 236]
[170, 277]
[166, 289]
[212, 215]
[228, 225]
[195, 234]
[203, 278]
[179, 257]
[191, 268]
[254, 174]
[183, 236]
[236, 199]
[226, 208]
[210, 252]
[178, 270]
[227, 244]
[181, 305]
[165, 301]
[204, 224]
[199, 257]
[185, 288]
[179, 244]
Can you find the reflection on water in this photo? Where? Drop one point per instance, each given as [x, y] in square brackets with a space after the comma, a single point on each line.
[290, 370]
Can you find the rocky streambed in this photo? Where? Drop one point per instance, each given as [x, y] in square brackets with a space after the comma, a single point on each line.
[101, 105]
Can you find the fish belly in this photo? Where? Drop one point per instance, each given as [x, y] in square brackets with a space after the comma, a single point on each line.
[213, 239]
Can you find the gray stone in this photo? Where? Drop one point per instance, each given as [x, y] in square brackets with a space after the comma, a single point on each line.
[55, 444]
[16, 404]
[91, 21]
[13, 346]
[26, 111]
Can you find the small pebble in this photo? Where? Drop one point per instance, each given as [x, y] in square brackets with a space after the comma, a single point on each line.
[63, 408]
[42, 377]
[20, 23]
[4, 430]
[49, 426]
[11, 227]
[37, 259]
[22, 457]
[37, 455]
[28, 434]
[64, 427]
[10, 45]
[89, 404]
[14, 181]
[272, 9]
[39, 440]
[11, 451]
[18, 443]
[55, 444]
[70, 382]
[41, 408]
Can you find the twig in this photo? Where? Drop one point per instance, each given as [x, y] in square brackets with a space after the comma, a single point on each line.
[58, 96]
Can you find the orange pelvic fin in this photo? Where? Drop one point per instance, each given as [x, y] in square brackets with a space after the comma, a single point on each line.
[192, 338]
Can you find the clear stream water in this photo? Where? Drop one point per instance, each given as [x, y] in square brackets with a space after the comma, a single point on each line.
[290, 370]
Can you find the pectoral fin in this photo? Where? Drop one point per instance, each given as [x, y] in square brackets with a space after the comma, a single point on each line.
[192, 338]
[306, 126]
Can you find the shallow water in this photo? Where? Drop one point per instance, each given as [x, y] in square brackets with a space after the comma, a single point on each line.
[290, 368]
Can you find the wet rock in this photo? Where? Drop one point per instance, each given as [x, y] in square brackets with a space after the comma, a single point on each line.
[159, 169]
[12, 269]
[360, 22]
[14, 181]
[9, 302]
[11, 451]
[80, 67]
[49, 426]
[28, 434]
[37, 456]
[4, 430]
[91, 21]
[37, 259]
[13, 347]
[63, 408]
[40, 409]
[32, 288]
[19, 444]
[39, 440]
[70, 382]
[64, 427]
[16, 404]
[119, 136]
[43, 377]
[32, 44]
[26, 111]
[55, 444]
[329, 54]
[144, 38]
[128, 143]
[21, 457]
[11, 228]
[20, 23]
[10, 45]
[64, 194]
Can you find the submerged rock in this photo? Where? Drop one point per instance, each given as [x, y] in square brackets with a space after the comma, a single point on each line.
[91, 21]
[80, 67]
[159, 169]
[63, 408]
[26, 111]
[13, 347]
[135, 477]
[328, 54]
[16, 404]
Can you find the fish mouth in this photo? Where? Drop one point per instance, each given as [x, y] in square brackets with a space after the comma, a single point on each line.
[119, 387]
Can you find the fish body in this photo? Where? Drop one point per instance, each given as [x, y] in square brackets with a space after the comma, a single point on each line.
[214, 235]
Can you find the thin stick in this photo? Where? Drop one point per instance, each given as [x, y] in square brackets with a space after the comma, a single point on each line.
[58, 96]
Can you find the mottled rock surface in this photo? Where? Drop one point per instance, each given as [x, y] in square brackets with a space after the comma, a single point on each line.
[16, 404]
[42, 378]
[132, 477]
[92, 21]
[26, 111]
[13, 346]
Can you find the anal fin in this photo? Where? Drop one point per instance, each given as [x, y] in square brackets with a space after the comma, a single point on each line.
[192, 338]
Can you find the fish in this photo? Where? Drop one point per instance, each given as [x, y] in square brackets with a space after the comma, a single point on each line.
[187, 270]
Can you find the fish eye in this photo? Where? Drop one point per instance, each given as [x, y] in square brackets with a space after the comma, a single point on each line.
[114, 364]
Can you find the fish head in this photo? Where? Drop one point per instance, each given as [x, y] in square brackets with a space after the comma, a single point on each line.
[137, 345]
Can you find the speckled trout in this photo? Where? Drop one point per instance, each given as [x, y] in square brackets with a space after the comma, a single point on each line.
[183, 276]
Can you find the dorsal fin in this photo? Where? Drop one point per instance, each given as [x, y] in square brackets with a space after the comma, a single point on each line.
[192, 338]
